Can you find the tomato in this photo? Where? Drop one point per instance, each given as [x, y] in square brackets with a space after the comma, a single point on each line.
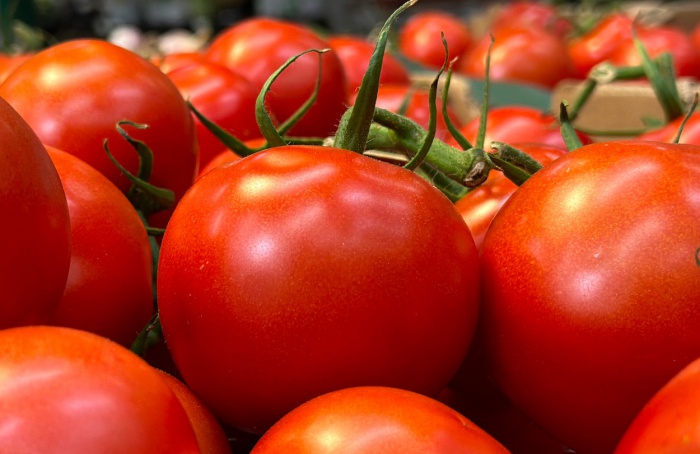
[300, 270]
[65, 390]
[376, 419]
[668, 132]
[522, 13]
[257, 47]
[480, 205]
[74, 93]
[170, 62]
[591, 291]
[211, 437]
[224, 97]
[512, 124]
[419, 37]
[686, 58]
[695, 37]
[354, 53]
[109, 290]
[8, 63]
[35, 227]
[669, 421]
[599, 43]
[392, 97]
[523, 55]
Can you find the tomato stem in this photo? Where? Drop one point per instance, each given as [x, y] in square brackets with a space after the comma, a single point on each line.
[568, 133]
[694, 104]
[481, 135]
[454, 131]
[228, 140]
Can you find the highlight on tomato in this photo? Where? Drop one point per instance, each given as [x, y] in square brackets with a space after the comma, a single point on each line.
[419, 38]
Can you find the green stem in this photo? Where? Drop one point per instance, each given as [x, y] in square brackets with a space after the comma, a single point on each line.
[454, 131]
[149, 336]
[571, 139]
[694, 104]
[481, 135]
[229, 141]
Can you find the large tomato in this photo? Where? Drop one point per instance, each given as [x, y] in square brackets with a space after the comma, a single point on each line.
[531, 14]
[301, 270]
[354, 53]
[65, 390]
[74, 93]
[591, 290]
[109, 290]
[599, 43]
[669, 421]
[257, 47]
[527, 55]
[668, 132]
[379, 420]
[34, 230]
[419, 38]
[224, 97]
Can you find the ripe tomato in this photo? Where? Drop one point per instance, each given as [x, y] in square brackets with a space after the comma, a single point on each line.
[300, 270]
[668, 132]
[375, 419]
[35, 227]
[591, 291]
[524, 55]
[419, 38]
[109, 290]
[224, 97]
[392, 97]
[523, 13]
[8, 63]
[65, 390]
[211, 437]
[170, 62]
[257, 47]
[74, 93]
[354, 53]
[669, 421]
[482, 203]
[599, 43]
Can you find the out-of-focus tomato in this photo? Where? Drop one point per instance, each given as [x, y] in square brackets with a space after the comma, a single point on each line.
[599, 43]
[74, 93]
[523, 13]
[109, 290]
[354, 53]
[211, 437]
[669, 421]
[301, 270]
[257, 47]
[376, 419]
[35, 228]
[524, 55]
[591, 290]
[65, 390]
[695, 37]
[668, 132]
[171, 62]
[480, 205]
[419, 38]
[392, 97]
[224, 97]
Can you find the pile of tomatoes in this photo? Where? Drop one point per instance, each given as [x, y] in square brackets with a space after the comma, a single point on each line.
[301, 295]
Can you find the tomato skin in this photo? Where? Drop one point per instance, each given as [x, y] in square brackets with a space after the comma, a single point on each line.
[375, 419]
[482, 203]
[35, 227]
[65, 390]
[8, 63]
[224, 97]
[522, 13]
[668, 132]
[575, 267]
[294, 279]
[599, 43]
[519, 54]
[419, 38]
[109, 290]
[354, 53]
[170, 62]
[257, 47]
[669, 421]
[74, 93]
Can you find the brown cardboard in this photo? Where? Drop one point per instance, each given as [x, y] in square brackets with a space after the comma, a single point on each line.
[684, 14]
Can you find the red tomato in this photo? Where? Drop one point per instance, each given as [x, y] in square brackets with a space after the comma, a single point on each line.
[419, 38]
[211, 437]
[482, 203]
[227, 155]
[523, 13]
[669, 421]
[686, 58]
[354, 53]
[523, 55]
[695, 37]
[599, 43]
[391, 97]
[257, 47]
[511, 124]
[109, 290]
[300, 270]
[8, 63]
[668, 132]
[74, 93]
[171, 62]
[591, 291]
[66, 390]
[35, 229]
[379, 420]
[224, 97]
